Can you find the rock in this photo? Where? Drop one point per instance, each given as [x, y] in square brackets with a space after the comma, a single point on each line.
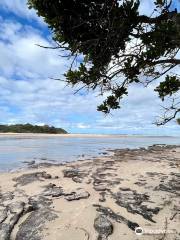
[45, 165]
[100, 188]
[15, 211]
[118, 218]
[77, 179]
[102, 196]
[70, 173]
[6, 196]
[172, 186]
[132, 225]
[103, 226]
[74, 173]
[16, 207]
[5, 231]
[77, 196]
[104, 153]
[135, 203]
[31, 177]
[46, 175]
[3, 214]
[32, 227]
[88, 181]
[30, 163]
[53, 191]
[39, 201]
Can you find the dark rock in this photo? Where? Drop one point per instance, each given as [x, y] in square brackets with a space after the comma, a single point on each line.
[102, 198]
[32, 227]
[5, 231]
[29, 163]
[172, 185]
[45, 165]
[140, 183]
[100, 188]
[77, 179]
[74, 173]
[132, 225]
[77, 196]
[70, 173]
[103, 226]
[118, 218]
[6, 196]
[16, 207]
[15, 211]
[31, 177]
[46, 175]
[3, 214]
[53, 191]
[135, 203]
[104, 153]
[38, 202]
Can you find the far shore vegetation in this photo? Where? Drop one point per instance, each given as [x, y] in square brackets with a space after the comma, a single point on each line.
[29, 128]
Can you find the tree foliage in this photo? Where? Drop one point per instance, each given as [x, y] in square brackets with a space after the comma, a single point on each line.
[29, 128]
[118, 44]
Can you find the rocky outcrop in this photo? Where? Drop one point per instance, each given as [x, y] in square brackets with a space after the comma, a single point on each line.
[40, 212]
[135, 203]
[31, 177]
[53, 191]
[75, 174]
[13, 212]
[117, 217]
[172, 185]
[31, 228]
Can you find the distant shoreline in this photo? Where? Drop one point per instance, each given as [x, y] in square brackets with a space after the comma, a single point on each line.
[80, 135]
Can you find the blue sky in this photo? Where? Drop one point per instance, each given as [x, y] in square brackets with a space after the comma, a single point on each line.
[27, 94]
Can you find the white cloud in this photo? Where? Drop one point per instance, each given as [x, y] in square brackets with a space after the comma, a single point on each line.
[20, 54]
[20, 8]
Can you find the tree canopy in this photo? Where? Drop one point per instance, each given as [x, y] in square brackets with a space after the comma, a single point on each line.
[118, 45]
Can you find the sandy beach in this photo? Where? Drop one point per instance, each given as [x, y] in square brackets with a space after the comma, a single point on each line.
[104, 198]
[75, 135]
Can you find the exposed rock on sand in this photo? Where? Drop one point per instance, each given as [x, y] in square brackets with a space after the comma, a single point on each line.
[117, 217]
[102, 198]
[77, 195]
[31, 177]
[103, 226]
[135, 203]
[32, 227]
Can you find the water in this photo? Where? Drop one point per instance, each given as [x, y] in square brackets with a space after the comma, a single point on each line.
[14, 149]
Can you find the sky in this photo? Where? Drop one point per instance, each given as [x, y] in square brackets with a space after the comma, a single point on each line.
[29, 95]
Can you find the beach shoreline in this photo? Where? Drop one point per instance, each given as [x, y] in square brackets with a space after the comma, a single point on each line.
[129, 189]
[85, 135]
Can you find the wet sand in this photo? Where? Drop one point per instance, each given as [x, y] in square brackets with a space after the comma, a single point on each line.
[103, 198]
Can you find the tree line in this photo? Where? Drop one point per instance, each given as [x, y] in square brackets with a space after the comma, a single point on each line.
[29, 128]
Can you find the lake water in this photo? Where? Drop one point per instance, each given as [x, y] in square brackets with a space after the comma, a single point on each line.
[15, 149]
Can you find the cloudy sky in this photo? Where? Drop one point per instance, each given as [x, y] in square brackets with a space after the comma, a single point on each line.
[27, 93]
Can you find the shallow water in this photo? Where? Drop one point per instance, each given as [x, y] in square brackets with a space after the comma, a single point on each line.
[14, 150]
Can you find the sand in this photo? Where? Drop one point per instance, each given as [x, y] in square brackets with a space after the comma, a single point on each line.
[133, 174]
